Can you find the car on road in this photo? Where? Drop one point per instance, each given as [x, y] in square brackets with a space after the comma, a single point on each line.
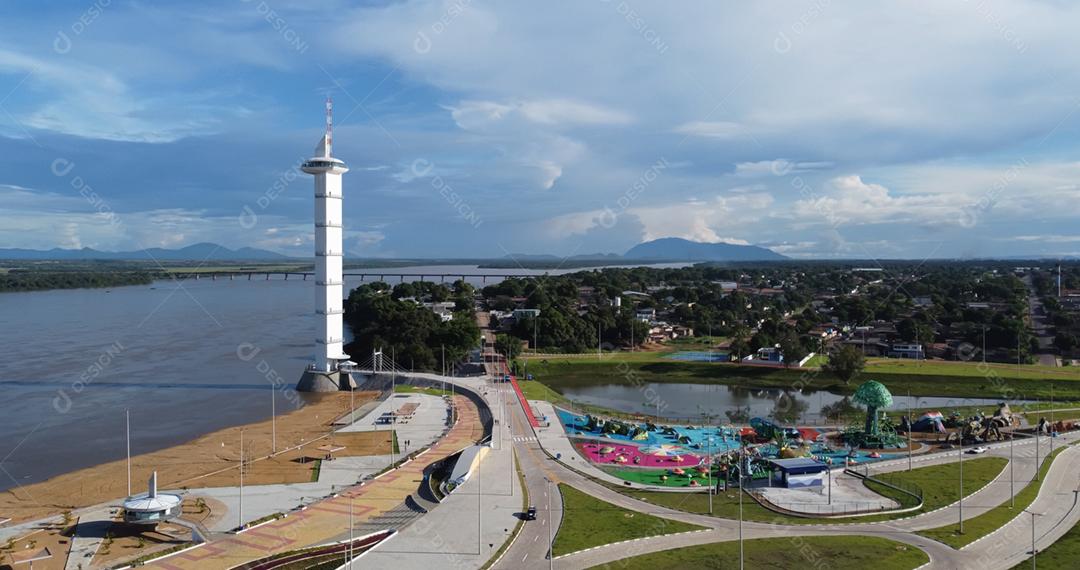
[530, 515]
[980, 449]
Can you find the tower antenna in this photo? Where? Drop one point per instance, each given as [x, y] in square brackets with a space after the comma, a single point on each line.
[329, 125]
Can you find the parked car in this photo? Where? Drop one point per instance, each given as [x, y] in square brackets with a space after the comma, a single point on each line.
[530, 515]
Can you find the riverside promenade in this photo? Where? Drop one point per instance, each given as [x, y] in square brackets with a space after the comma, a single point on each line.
[325, 520]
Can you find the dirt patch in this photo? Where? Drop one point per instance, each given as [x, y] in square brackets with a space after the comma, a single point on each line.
[56, 537]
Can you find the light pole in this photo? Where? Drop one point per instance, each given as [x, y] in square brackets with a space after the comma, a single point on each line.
[708, 467]
[1033, 551]
[127, 434]
[551, 539]
[1012, 464]
[273, 417]
[240, 511]
[961, 456]
[742, 460]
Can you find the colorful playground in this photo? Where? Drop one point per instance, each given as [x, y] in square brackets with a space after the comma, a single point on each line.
[683, 455]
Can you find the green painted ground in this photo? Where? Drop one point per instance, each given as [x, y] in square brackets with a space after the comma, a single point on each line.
[833, 552]
[993, 519]
[588, 522]
[655, 477]
[939, 484]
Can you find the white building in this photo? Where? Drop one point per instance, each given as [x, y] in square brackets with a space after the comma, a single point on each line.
[322, 374]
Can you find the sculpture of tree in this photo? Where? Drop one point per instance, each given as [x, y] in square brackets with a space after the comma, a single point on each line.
[874, 395]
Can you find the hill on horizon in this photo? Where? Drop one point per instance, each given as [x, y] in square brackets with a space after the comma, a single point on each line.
[194, 252]
[678, 249]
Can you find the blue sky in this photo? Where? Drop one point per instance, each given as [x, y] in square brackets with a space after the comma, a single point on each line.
[474, 129]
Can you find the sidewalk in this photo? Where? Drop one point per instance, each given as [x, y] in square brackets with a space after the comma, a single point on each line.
[467, 528]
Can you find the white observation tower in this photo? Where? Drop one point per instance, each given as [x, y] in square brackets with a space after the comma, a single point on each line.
[323, 375]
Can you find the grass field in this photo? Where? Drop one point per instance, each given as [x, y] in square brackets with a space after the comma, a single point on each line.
[942, 379]
[834, 552]
[588, 522]
[940, 484]
[408, 389]
[993, 519]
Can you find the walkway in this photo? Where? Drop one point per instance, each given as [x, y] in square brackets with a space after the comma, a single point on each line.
[324, 520]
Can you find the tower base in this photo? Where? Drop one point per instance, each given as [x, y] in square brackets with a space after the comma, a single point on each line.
[318, 381]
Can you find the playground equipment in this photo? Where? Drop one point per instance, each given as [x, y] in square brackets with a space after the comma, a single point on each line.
[875, 432]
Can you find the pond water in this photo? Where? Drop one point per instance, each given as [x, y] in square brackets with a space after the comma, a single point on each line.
[695, 402]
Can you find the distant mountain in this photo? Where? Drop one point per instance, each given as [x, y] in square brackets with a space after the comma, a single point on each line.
[549, 257]
[678, 249]
[194, 252]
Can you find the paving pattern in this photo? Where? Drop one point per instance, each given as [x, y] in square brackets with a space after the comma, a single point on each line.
[327, 519]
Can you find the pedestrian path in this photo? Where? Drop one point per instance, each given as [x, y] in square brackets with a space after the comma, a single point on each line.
[329, 518]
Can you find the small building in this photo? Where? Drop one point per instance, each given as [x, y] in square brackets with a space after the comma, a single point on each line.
[913, 351]
[797, 473]
[525, 314]
[645, 315]
[766, 354]
[151, 507]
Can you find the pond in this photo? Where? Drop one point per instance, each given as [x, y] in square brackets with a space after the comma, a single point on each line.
[724, 403]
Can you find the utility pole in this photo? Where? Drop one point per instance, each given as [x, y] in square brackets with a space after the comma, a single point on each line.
[350, 558]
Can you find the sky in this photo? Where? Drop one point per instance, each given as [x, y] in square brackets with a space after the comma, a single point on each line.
[820, 129]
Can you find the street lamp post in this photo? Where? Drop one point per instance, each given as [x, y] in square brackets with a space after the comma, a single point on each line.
[961, 504]
[1012, 464]
[551, 539]
[742, 460]
[1033, 551]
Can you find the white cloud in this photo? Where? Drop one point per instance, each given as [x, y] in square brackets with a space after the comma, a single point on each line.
[712, 129]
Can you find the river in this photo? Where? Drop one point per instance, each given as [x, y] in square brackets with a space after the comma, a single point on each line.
[186, 358]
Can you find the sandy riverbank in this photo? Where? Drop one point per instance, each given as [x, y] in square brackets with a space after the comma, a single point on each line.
[211, 460]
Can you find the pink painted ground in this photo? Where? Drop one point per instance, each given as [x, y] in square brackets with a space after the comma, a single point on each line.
[657, 456]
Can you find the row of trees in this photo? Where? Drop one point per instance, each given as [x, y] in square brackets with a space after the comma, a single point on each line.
[40, 281]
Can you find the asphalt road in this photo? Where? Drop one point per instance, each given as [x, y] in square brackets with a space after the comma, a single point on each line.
[1008, 546]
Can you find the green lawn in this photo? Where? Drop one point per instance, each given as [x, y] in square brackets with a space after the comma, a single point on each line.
[588, 522]
[947, 379]
[940, 483]
[833, 552]
[993, 519]
[409, 389]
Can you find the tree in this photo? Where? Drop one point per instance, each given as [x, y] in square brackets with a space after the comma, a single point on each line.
[846, 363]
[792, 349]
[875, 396]
[508, 345]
